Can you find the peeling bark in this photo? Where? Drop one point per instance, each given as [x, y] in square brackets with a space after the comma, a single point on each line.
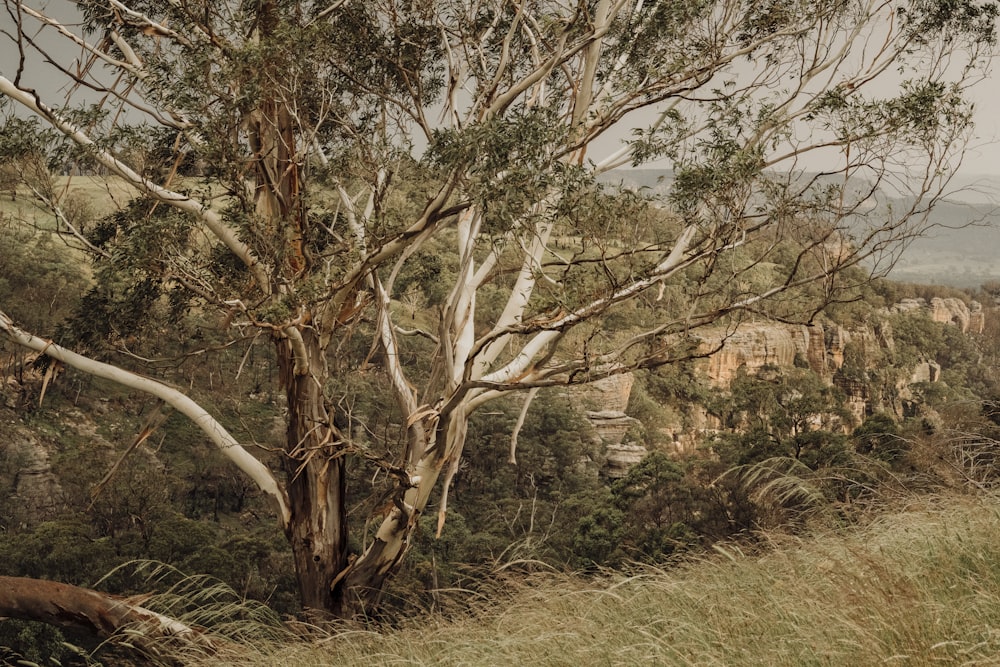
[316, 482]
[85, 609]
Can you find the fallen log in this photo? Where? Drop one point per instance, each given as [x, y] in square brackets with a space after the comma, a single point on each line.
[106, 616]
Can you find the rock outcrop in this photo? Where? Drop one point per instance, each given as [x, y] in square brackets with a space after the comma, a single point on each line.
[622, 457]
[926, 371]
[37, 493]
[977, 318]
[604, 403]
[39, 488]
[969, 319]
[753, 346]
[610, 393]
[611, 425]
[821, 347]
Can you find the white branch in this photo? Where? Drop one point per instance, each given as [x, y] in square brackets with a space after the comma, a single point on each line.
[210, 218]
[528, 398]
[61, 216]
[462, 301]
[591, 58]
[148, 24]
[523, 360]
[131, 64]
[516, 304]
[226, 443]
[404, 392]
[299, 353]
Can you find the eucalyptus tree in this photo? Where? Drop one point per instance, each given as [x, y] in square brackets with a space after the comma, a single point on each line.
[301, 167]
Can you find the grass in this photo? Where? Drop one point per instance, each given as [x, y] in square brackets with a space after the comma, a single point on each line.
[916, 587]
[102, 195]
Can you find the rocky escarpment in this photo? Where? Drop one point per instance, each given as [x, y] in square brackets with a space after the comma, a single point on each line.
[824, 348]
[821, 347]
[604, 403]
[969, 318]
[756, 345]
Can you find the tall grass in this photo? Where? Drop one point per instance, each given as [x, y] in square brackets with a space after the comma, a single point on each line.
[915, 587]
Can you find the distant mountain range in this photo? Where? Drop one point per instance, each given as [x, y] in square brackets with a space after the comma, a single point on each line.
[962, 249]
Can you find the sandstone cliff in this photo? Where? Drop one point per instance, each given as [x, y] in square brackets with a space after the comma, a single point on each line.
[604, 403]
[950, 310]
[819, 347]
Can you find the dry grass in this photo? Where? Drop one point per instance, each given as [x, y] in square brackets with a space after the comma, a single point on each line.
[917, 587]
[102, 195]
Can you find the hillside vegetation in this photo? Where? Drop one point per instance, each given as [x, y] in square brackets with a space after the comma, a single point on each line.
[957, 251]
[518, 575]
[919, 586]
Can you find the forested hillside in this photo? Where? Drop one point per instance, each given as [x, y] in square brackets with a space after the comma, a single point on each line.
[776, 428]
[336, 304]
[957, 252]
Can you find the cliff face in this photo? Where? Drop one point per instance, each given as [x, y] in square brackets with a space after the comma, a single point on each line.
[753, 346]
[821, 347]
[947, 311]
[604, 404]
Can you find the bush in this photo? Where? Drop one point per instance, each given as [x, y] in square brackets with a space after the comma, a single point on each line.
[41, 282]
[879, 436]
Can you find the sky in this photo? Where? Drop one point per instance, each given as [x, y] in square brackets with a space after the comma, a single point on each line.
[982, 157]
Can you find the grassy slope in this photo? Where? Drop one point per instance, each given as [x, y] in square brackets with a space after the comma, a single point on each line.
[916, 587]
[102, 195]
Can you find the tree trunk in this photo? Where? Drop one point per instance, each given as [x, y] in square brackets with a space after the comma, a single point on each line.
[313, 457]
[316, 483]
[367, 574]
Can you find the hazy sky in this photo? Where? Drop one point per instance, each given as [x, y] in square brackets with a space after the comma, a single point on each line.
[982, 157]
